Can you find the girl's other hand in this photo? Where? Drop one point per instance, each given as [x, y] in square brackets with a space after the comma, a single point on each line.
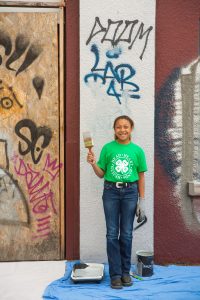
[91, 159]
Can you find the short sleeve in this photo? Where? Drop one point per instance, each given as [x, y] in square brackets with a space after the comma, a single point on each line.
[142, 166]
[102, 159]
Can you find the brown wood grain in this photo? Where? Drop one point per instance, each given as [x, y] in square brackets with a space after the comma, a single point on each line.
[30, 206]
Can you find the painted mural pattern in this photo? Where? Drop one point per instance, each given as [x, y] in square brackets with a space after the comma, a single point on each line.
[29, 131]
[178, 134]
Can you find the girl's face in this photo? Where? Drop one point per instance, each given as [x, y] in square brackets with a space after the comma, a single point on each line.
[123, 131]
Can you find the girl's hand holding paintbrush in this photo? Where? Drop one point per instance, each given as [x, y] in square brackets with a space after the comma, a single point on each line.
[91, 159]
[88, 141]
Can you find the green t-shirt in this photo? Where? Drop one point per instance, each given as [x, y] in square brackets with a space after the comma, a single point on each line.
[122, 163]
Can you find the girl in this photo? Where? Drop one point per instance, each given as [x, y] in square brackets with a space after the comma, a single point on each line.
[122, 164]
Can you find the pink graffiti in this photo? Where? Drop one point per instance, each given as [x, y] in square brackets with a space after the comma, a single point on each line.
[43, 227]
[41, 196]
[51, 166]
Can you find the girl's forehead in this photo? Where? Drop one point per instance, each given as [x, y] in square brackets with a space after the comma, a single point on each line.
[122, 122]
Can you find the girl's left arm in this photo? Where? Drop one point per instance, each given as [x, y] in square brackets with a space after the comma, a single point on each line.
[141, 185]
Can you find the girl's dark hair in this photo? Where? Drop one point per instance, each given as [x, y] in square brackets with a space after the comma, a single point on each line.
[125, 118]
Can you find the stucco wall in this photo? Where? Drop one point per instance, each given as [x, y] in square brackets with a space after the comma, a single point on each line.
[106, 93]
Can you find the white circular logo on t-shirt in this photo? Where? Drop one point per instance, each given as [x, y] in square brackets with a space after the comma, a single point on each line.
[121, 167]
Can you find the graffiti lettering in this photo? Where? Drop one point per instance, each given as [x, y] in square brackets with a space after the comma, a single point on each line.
[51, 167]
[40, 139]
[113, 33]
[41, 196]
[121, 75]
[43, 225]
[39, 191]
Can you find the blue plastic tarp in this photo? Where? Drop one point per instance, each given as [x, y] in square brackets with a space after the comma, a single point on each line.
[167, 283]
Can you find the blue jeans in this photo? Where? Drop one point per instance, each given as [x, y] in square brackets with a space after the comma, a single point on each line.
[119, 208]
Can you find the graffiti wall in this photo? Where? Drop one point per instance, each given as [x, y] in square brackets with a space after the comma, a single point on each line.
[29, 137]
[116, 77]
[177, 139]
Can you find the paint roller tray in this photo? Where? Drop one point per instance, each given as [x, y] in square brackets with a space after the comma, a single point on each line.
[91, 272]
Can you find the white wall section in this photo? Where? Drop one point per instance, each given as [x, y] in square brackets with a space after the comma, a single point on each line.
[117, 57]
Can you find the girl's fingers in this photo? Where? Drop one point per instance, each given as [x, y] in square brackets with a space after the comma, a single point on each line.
[91, 160]
[90, 156]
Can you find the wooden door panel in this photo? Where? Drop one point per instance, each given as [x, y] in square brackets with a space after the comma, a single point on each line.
[30, 163]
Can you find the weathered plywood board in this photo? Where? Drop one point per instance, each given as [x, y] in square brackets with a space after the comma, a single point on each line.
[29, 137]
[52, 3]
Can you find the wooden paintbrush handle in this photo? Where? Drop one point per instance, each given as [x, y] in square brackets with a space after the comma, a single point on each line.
[90, 149]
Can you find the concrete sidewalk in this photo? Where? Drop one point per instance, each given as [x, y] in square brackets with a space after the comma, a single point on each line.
[28, 280]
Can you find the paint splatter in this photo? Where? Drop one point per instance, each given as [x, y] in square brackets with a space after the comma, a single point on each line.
[114, 53]
[38, 83]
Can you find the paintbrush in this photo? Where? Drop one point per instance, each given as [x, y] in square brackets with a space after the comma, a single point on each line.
[88, 141]
[136, 276]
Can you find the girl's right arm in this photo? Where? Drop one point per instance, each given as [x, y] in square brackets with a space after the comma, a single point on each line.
[92, 161]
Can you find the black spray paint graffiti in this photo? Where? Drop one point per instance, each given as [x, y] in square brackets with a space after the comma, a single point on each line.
[177, 136]
[5, 41]
[164, 110]
[121, 31]
[40, 138]
[177, 124]
[120, 75]
[38, 83]
[8, 98]
[22, 44]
